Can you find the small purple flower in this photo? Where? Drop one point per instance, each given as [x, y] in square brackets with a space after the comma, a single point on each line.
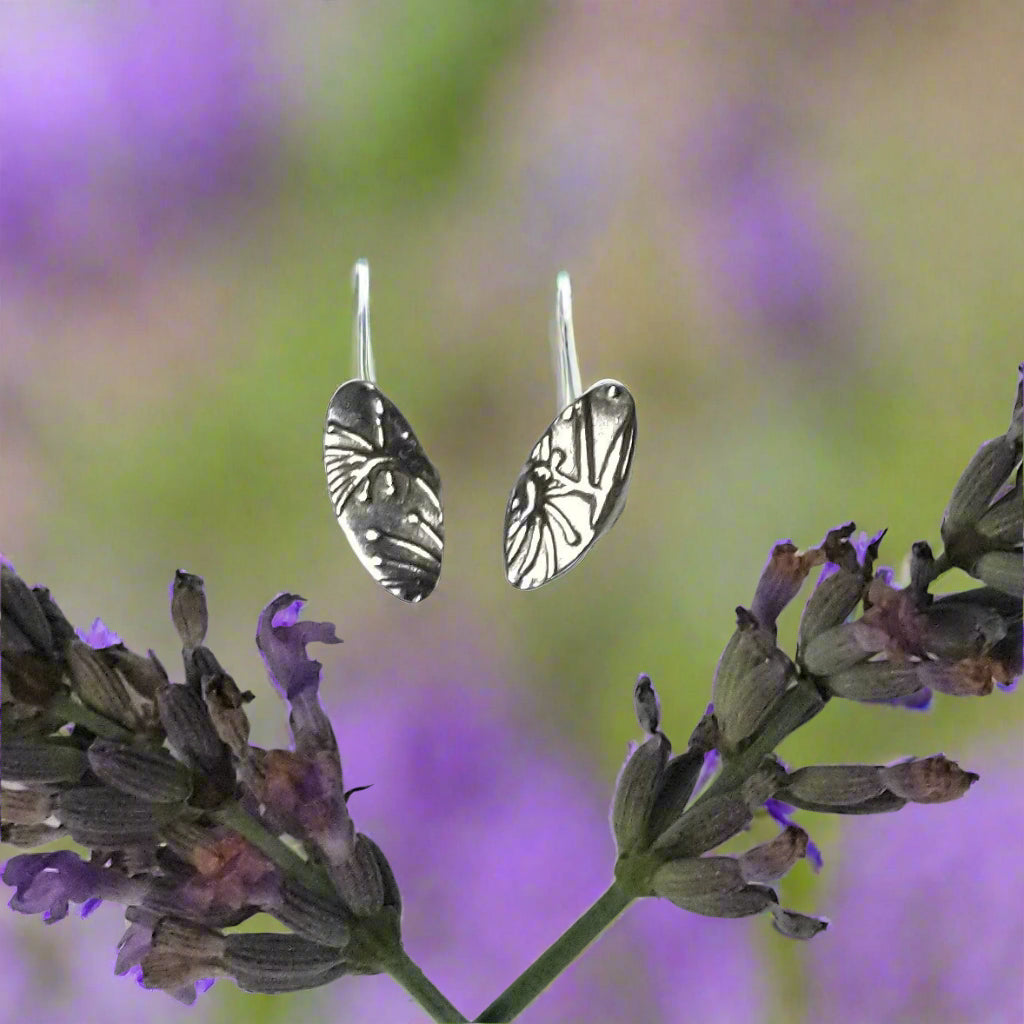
[133, 947]
[98, 636]
[928, 909]
[46, 883]
[784, 815]
[282, 641]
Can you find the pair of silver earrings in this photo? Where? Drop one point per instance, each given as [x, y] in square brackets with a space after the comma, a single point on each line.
[386, 493]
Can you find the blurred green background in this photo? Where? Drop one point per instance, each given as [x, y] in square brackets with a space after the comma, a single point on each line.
[794, 230]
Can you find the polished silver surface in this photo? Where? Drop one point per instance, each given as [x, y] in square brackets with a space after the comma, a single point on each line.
[385, 491]
[573, 486]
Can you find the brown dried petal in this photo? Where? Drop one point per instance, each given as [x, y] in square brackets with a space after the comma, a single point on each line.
[769, 861]
[795, 925]
[928, 780]
[188, 608]
[969, 677]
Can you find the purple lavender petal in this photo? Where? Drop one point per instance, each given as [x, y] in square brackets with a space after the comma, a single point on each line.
[282, 641]
[90, 905]
[46, 882]
[712, 759]
[98, 636]
[940, 938]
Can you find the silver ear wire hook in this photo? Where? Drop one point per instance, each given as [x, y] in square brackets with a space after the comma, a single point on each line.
[365, 369]
[573, 486]
[385, 492]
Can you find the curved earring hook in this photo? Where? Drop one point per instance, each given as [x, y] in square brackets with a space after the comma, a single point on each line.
[365, 369]
[567, 366]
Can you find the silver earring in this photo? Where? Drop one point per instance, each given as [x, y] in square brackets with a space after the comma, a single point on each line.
[573, 486]
[385, 491]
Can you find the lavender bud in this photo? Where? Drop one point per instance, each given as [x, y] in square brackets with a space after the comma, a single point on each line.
[98, 684]
[922, 571]
[272, 963]
[797, 926]
[358, 879]
[958, 630]
[392, 897]
[25, 806]
[750, 675]
[146, 676]
[781, 580]
[181, 953]
[100, 817]
[769, 861]
[884, 803]
[835, 784]
[188, 608]
[684, 879]
[1003, 570]
[311, 915]
[224, 702]
[151, 775]
[29, 679]
[707, 824]
[680, 777]
[1002, 525]
[928, 780]
[993, 462]
[194, 740]
[745, 902]
[636, 790]
[646, 705]
[41, 761]
[20, 609]
[842, 647]
[876, 680]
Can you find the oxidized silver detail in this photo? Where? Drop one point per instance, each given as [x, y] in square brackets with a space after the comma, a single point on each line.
[573, 486]
[384, 489]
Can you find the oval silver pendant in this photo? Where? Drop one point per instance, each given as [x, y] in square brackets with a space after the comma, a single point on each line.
[573, 486]
[385, 491]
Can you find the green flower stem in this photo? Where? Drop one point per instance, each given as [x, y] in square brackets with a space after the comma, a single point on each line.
[558, 956]
[406, 972]
[235, 817]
